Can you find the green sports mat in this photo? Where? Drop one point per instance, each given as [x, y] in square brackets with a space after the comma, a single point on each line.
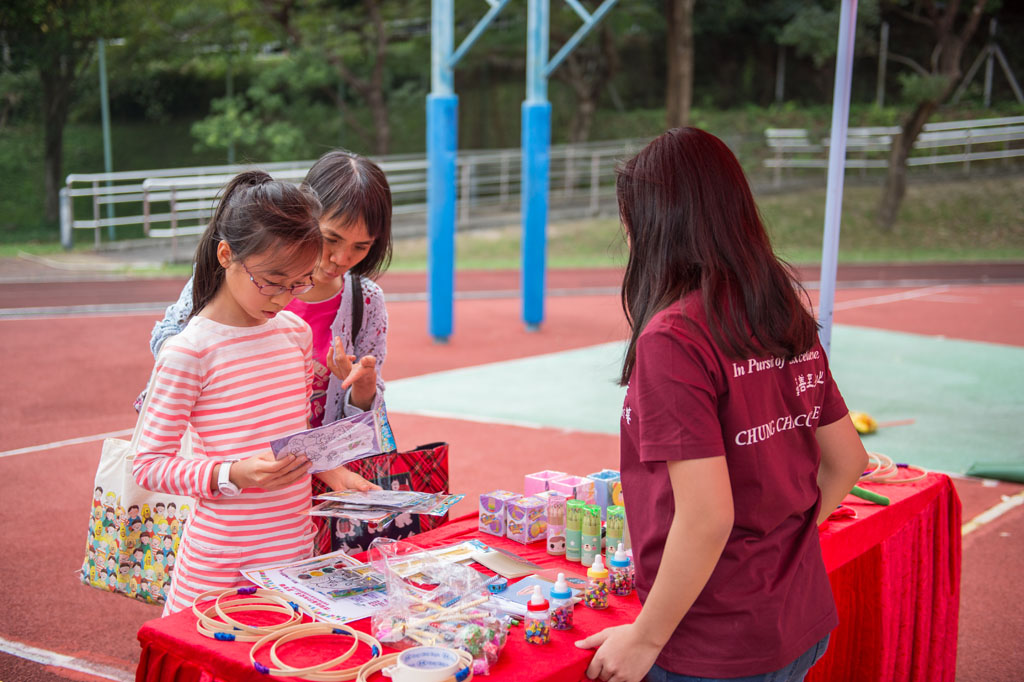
[966, 399]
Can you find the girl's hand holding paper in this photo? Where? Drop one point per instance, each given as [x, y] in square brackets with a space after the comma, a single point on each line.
[265, 472]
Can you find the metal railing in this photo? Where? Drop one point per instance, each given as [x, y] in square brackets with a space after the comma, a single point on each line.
[177, 202]
[948, 142]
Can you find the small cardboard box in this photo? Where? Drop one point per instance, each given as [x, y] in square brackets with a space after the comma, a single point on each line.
[526, 519]
[575, 487]
[538, 482]
[604, 482]
[493, 510]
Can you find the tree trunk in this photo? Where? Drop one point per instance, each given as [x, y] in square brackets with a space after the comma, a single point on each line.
[949, 52]
[378, 101]
[582, 118]
[381, 124]
[679, 88]
[57, 80]
[896, 180]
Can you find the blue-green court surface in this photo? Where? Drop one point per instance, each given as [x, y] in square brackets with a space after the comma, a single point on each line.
[966, 399]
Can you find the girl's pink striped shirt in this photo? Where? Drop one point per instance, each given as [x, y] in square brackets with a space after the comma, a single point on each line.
[235, 389]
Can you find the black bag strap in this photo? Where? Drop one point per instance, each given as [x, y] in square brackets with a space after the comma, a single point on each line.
[357, 308]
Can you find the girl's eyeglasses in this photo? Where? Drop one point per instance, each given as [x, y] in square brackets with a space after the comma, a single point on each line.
[275, 289]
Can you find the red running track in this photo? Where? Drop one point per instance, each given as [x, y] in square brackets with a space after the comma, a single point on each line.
[77, 375]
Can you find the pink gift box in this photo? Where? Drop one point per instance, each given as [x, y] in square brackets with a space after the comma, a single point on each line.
[575, 487]
[493, 510]
[526, 519]
[538, 482]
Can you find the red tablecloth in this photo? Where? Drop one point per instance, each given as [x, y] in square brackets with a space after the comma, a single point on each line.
[895, 573]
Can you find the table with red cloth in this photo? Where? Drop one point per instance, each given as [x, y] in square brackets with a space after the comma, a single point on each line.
[895, 573]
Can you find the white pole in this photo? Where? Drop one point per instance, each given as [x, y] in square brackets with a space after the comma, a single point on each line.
[836, 168]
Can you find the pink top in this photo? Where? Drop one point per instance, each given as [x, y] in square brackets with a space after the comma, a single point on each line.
[319, 315]
[235, 389]
[768, 599]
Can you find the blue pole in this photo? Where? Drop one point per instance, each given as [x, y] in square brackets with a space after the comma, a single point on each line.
[536, 143]
[442, 147]
[442, 114]
[536, 160]
[836, 170]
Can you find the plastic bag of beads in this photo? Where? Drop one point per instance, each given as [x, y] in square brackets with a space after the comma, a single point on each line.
[434, 602]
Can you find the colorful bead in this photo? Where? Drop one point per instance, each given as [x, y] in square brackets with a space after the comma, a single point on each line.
[621, 583]
[561, 617]
[596, 595]
[537, 631]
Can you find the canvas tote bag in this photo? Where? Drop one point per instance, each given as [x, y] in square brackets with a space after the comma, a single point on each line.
[133, 533]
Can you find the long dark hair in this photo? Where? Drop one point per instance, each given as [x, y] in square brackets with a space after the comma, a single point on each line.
[351, 187]
[693, 225]
[256, 213]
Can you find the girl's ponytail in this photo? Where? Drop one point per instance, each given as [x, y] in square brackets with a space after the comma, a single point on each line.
[254, 212]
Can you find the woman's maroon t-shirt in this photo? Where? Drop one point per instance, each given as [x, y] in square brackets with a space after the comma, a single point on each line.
[768, 599]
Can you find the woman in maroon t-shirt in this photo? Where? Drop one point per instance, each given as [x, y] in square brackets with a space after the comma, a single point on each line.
[735, 441]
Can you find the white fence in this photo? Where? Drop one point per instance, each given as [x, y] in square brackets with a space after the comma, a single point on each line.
[175, 202]
[948, 142]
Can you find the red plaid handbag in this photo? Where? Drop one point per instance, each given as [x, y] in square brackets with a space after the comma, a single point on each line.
[424, 469]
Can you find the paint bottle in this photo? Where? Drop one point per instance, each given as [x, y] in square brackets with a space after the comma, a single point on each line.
[556, 525]
[573, 526]
[613, 528]
[596, 594]
[620, 580]
[561, 604]
[538, 626]
[590, 534]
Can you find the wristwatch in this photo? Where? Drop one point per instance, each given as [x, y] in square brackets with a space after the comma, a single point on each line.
[224, 484]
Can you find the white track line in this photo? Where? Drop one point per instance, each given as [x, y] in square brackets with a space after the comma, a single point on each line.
[62, 443]
[990, 515]
[890, 298]
[44, 657]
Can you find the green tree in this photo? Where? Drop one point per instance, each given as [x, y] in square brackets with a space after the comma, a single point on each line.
[358, 40]
[56, 40]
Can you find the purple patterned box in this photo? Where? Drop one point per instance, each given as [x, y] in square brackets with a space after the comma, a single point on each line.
[538, 482]
[493, 510]
[575, 487]
[526, 519]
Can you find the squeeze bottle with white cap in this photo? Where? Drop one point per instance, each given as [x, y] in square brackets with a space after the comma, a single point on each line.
[538, 630]
[561, 604]
[596, 594]
[621, 578]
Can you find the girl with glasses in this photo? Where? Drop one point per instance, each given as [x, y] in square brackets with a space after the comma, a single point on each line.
[238, 376]
[356, 229]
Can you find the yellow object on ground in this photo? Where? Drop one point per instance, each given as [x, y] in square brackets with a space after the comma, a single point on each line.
[863, 422]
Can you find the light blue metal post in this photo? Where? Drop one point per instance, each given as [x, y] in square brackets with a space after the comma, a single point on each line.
[442, 150]
[442, 146]
[536, 145]
[836, 169]
[536, 161]
[108, 159]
